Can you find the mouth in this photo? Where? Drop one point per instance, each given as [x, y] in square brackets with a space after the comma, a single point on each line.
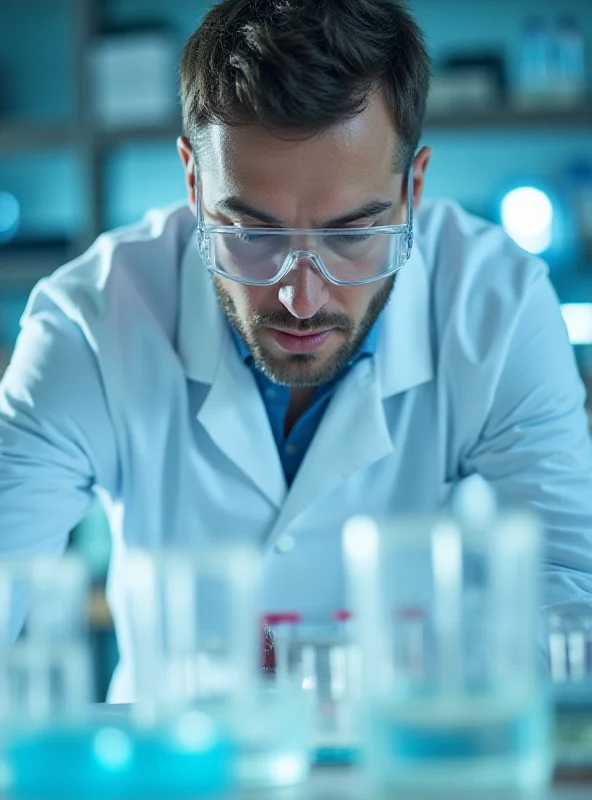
[300, 341]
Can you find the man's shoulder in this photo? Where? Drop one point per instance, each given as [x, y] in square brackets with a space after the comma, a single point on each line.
[481, 284]
[479, 277]
[452, 238]
[124, 268]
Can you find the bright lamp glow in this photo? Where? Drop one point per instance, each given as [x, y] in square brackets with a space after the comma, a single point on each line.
[9, 216]
[527, 216]
[578, 320]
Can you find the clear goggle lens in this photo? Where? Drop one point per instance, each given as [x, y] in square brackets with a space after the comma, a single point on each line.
[344, 257]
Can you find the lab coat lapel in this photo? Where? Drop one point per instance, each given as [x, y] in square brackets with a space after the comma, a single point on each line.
[352, 436]
[234, 416]
[233, 413]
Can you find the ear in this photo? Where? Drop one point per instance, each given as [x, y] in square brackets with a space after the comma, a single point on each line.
[188, 161]
[420, 165]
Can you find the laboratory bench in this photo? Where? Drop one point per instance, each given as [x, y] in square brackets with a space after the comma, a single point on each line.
[342, 783]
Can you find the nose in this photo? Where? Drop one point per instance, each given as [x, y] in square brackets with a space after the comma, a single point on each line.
[304, 291]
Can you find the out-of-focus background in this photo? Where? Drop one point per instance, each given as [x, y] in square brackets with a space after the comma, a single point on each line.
[89, 116]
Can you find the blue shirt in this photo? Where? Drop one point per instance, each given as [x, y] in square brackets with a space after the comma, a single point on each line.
[292, 448]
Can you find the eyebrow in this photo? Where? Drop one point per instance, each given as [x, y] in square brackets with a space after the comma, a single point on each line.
[373, 208]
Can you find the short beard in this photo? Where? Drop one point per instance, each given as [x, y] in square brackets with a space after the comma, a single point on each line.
[290, 371]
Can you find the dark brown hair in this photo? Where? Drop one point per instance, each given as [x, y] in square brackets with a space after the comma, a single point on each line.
[304, 65]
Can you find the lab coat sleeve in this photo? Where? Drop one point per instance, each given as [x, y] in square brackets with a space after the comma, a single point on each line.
[55, 436]
[535, 446]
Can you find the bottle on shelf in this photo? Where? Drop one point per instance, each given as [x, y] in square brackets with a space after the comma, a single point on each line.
[535, 64]
[569, 74]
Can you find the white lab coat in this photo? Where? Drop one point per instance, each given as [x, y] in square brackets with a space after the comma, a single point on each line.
[126, 380]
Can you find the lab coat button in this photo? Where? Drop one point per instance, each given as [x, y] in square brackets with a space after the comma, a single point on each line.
[284, 544]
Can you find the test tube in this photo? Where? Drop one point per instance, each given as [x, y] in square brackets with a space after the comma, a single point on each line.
[47, 672]
[570, 643]
[569, 631]
[316, 655]
[411, 639]
[282, 627]
[337, 736]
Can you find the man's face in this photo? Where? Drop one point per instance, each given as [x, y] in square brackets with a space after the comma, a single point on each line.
[303, 330]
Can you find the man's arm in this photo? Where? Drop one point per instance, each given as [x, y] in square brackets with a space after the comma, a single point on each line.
[56, 439]
[535, 447]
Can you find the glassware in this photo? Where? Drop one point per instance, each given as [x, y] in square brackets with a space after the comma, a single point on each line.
[318, 655]
[197, 645]
[46, 673]
[445, 614]
[569, 629]
[535, 67]
[53, 744]
[570, 61]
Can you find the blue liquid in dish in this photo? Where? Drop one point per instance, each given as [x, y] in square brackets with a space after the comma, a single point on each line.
[463, 743]
[114, 761]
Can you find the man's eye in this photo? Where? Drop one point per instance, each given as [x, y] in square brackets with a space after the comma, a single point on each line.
[250, 238]
[351, 238]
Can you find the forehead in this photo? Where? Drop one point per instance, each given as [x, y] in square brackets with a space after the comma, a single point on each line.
[351, 159]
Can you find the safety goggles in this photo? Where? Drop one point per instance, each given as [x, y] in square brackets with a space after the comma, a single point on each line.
[262, 256]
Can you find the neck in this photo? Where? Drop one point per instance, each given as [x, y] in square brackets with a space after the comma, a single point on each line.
[300, 400]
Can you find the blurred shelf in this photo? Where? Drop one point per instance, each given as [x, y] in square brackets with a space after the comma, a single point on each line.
[16, 136]
[24, 135]
[23, 267]
[512, 118]
[138, 133]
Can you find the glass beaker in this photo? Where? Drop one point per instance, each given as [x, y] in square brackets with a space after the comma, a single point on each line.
[197, 647]
[446, 616]
[45, 675]
[317, 654]
[569, 630]
[52, 742]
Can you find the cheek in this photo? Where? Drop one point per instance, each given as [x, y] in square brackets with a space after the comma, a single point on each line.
[354, 301]
[250, 299]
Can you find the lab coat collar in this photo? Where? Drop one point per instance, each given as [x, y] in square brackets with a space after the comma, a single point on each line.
[404, 357]
[203, 331]
[242, 432]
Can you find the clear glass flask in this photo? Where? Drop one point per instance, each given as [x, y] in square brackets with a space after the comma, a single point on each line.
[446, 616]
[197, 644]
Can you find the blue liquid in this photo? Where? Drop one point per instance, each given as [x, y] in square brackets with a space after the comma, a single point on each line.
[113, 761]
[335, 755]
[467, 743]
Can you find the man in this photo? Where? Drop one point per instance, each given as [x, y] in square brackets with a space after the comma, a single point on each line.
[299, 342]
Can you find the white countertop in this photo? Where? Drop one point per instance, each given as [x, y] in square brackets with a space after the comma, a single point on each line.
[339, 783]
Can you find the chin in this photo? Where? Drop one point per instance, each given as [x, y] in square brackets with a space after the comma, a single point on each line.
[299, 371]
